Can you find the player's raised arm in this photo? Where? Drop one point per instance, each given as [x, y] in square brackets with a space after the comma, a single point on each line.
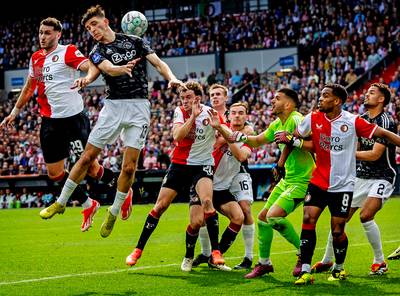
[388, 135]
[92, 73]
[371, 155]
[163, 68]
[114, 70]
[23, 98]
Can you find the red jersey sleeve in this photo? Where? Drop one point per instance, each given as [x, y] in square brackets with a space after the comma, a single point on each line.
[73, 57]
[364, 128]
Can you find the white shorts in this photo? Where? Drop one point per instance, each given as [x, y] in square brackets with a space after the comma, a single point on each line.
[370, 188]
[242, 188]
[129, 119]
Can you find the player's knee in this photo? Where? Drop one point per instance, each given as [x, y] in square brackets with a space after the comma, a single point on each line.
[129, 168]
[366, 216]
[87, 159]
[196, 222]
[238, 218]
[309, 219]
[207, 204]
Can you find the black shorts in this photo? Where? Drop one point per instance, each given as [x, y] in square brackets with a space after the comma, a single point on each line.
[183, 179]
[61, 138]
[221, 197]
[338, 202]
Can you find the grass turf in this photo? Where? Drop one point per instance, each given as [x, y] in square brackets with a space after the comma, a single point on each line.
[54, 258]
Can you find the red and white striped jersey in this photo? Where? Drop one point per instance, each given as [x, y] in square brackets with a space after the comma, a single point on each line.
[226, 166]
[335, 144]
[196, 148]
[54, 74]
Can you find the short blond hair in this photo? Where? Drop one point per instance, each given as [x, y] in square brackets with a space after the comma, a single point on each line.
[241, 104]
[217, 85]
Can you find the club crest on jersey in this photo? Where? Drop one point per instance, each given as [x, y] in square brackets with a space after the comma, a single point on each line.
[344, 128]
[55, 58]
[206, 121]
[127, 45]
[78, 53]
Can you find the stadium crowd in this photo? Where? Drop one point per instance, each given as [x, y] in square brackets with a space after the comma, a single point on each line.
[337, 48]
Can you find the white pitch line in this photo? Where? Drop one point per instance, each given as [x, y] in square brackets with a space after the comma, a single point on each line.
[86, 274]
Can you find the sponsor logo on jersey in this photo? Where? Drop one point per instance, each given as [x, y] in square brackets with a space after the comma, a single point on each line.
[344, 128]
[96, 58]
[318, 126]
[330, 143]
[55, 58]
[127, 56]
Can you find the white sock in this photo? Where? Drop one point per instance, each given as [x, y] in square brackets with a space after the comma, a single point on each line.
[338, 266]
[374, 237]
[306, 268]
[66, 192]
[329, 253]
[264, 261]
[248, 238]
[118, 201]
[204, 241]
[87, 204]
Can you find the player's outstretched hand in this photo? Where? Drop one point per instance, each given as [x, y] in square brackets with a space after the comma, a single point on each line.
[278, 173]
[283, 137]
[8, 121]
[196, 108]
[214, 118]
[127, 69]
[237, 137]
[175, 83]
[80, 83]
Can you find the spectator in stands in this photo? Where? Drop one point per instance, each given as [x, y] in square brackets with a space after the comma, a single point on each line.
[350, 76]
[150, 161]
[9, 199]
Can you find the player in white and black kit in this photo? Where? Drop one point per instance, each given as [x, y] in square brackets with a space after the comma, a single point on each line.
[65, 126]
[121, 59]
[375, 177]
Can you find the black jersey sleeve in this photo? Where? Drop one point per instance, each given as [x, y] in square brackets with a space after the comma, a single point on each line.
[97, 55]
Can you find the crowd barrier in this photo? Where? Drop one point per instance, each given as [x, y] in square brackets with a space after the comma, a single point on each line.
[146, 186]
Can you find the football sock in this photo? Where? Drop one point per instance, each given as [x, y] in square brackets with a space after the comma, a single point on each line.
[66, 192]
[265, 235]
[149, 225]
[87, 204]
[285, 228]
[204, 241]
[118, 201]
[228, 237]
[340, 244]
[329, 254]
[307, 243]
[213, 229]
[264, 261]
[248, 238]
[70, 190]
[191, 238]
[374, 237]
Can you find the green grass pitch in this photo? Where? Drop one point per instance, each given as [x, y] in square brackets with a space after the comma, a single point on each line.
[54, 258]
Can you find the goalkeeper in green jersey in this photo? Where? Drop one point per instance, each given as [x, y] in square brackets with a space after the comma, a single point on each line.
[290, 191]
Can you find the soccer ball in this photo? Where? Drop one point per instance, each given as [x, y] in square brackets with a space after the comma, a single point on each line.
[134, 23]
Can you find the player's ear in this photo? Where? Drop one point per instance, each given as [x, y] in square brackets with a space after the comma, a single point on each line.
[106, 21]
